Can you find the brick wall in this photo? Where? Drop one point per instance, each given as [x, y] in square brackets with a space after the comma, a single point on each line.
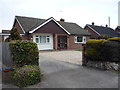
[73, 45]
[18, 27]
[93, 34]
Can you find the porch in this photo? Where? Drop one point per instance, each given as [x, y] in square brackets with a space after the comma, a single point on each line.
[51, 41]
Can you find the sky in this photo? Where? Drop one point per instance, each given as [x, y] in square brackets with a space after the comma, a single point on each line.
[81, 12]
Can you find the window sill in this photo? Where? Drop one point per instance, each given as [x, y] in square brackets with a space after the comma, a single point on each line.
[80, 42]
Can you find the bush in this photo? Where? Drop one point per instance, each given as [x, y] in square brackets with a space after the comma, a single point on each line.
[14, 35]
[113, 49]
[24, 53]
[27, 75]
[114, 39]
[94, 51]
[103, 50]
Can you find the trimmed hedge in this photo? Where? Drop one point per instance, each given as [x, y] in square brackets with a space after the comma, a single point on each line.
[114, 39]
[27, 75]
[103, 50]
[24, 53]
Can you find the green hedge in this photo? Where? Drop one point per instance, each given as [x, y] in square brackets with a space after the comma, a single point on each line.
[114, 39]
[24, 53]
[103, 50]
[27, 75]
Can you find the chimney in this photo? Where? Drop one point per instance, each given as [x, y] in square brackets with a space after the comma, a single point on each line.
[93, 23]
[109, 21]
[62, 20]
[106, 25]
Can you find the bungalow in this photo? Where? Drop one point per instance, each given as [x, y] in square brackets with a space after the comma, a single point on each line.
[50, 34]
[97, 31]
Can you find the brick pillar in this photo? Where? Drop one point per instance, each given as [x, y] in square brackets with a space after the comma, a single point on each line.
[84, 61]
[56, 42]
[67, 42]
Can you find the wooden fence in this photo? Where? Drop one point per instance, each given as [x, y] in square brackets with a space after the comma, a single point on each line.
[5, 55]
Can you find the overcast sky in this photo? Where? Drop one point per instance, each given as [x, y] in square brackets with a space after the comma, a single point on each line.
[81, 12]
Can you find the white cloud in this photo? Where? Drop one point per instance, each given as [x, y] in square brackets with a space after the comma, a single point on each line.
[79, 11]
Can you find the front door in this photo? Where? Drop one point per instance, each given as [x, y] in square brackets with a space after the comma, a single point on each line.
[62, 42]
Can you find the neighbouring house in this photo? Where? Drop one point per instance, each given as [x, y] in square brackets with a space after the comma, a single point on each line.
[50, 34]
[117, 29]
[97, 31]
[5, 34]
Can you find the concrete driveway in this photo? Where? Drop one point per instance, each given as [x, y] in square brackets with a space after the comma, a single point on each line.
[60, 74]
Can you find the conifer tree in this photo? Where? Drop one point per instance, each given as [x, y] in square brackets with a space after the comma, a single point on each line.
[14, 35]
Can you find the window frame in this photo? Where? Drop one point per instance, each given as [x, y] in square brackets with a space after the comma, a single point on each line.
[47, 37]
[83, 39]
[39, 39]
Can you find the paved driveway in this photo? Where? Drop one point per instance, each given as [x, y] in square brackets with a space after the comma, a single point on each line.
[60, 74]
[74, 57]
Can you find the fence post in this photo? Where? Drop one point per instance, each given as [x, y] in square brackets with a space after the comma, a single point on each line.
[84, 61]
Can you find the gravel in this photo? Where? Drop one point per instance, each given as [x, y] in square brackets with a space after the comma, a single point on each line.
[74, 57]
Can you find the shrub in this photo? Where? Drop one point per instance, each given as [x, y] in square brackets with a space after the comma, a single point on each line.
[8, 39]
[103, 50]
[114, 39]
[27, 75]
[24, 53]
[113, 49]
[14, 35]
[94, 51]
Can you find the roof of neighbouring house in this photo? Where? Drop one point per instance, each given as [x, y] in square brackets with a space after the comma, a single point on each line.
[6, 31]
[104, 30]
[118, 27]
[29, 24]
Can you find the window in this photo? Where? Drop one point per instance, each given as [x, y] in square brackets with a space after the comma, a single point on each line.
[37, 39]
[79, 39]
[42, 39]
[48, 39]
[84, 39]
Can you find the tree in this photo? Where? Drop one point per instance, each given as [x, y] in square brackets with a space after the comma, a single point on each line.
[14, 35]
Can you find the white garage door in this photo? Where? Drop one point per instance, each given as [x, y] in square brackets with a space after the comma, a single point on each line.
[44, 41]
